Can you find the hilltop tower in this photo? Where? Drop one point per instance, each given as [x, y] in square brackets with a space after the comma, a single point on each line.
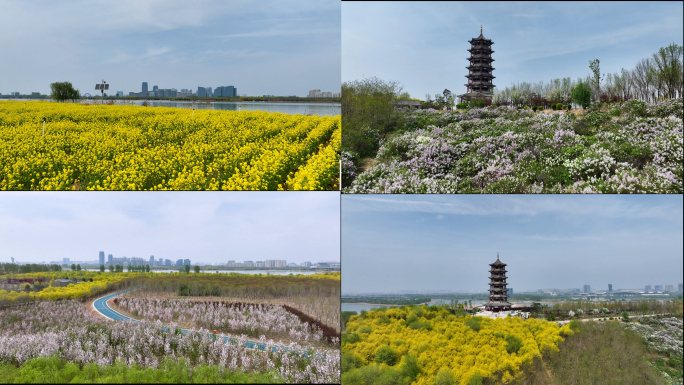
[479, 86]
[498, 295]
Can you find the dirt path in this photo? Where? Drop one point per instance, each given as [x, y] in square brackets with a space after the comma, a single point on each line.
[190, 325]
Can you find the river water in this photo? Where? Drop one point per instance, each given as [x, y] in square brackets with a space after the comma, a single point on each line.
[264, 272]
[435, 301]
[286, 108]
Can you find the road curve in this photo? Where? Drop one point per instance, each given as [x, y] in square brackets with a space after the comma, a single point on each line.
[100, 305]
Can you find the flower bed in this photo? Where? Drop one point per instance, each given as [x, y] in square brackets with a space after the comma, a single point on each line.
[504, 150]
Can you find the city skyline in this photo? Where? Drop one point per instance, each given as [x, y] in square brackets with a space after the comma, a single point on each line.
[211, 227]
[423, 242]
[421, 46]
[266, 48]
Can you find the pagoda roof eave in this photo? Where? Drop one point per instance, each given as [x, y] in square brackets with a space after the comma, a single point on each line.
[480, 38]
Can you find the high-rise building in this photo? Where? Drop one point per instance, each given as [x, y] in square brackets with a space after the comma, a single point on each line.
[313, 93]
[498, 294]
[179, 262]
[119, 94]
[102, 260]
[201, 92]
[658, 288]
[510, 291]
[680, 288]
[669, 288]
[160, 262]
[610, 287]
[167, 262]
[480, 70]
[66, 261]
[12, 259]
[110, 260]
[144, 87]
[248, 264]
[230, 263]
[186, 262]
[151, 260]
[587, 289]
[275, 263]
[647, 288]
[209, 92]
[154, 88]
[306, 264]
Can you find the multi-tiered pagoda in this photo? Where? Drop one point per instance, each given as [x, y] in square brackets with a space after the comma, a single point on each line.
[479, 76]
[498, 294]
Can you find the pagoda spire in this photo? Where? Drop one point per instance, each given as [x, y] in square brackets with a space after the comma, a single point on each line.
[480, 29]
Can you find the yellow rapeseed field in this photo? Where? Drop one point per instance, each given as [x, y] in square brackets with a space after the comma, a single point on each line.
[88, 147]
[464, 348]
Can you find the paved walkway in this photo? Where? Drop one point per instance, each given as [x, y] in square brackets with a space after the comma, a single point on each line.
[100, 305]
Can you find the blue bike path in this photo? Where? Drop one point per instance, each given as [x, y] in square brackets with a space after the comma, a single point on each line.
[101, 307]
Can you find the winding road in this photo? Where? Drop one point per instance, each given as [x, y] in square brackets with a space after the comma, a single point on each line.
[100, 305]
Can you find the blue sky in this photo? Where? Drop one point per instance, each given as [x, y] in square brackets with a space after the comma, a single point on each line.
[446, 242]
[274, 47]
[423, 45]
[210, 227]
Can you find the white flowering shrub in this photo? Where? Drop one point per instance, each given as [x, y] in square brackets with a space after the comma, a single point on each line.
[68, 330]
[504, 150]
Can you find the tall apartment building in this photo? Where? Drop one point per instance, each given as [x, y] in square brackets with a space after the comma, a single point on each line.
[275, 263]
[151, 260]
[248, 264]
[144, 87]
[647, 288]
[587, 289]
[154, 88]
[110, 260]
[669, 288]
[66, 261]
[658, 288]
[179, 262]
[201, 92]
[186, 262]
[680, 287]
[167, 262]
[102, 260]
[225, 91]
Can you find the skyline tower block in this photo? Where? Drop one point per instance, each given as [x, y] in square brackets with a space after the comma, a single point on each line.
[479, 86]
[498, 295]
[144, 87]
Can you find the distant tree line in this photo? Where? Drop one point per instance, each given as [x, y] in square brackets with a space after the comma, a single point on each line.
[389, 301]
[655, 78]
[13, 268]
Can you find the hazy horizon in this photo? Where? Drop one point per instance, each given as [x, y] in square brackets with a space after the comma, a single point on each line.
[446, 242]
[209, 227]
[262, 48]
